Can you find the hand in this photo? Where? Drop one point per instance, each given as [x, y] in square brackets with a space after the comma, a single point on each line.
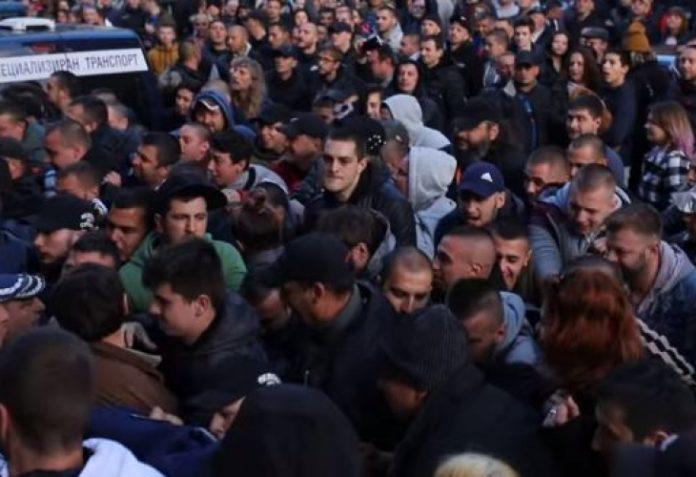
[135, 332]
[113, 178]
[158, 414]
[563, 410]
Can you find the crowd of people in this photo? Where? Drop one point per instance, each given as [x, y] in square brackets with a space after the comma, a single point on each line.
[435, 238]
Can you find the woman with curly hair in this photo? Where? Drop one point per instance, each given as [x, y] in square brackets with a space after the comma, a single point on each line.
[248, 86]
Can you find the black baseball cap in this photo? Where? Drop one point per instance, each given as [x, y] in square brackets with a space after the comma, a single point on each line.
[312, 258]
[308, 124]
[526, 58]
[461, 20]
[188, 184]
[12, 149]
[64, 211]
[476, 111]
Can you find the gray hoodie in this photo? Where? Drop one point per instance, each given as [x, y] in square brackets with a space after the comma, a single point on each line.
[519, 346]
[407, 110]
[430, 172]
[674, 266]
[255, 175]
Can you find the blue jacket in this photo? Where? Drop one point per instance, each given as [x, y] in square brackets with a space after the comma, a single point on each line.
[670, 307]
[176, 451]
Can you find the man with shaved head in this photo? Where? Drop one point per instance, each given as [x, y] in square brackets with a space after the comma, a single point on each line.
[464, 252]
[408, 280]
[547, 168]
[573, 226]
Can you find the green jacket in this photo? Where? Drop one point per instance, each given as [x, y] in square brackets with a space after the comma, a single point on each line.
[233, 268]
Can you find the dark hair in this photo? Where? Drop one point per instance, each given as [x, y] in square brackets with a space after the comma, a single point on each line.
[349, 134]
[524, 21]
[624, 56]
[14, 110]
[88, 301]
[254, 288]
[353, 225]
[280, 25]
[135, 198]
[189, 84]
[47, 385]
[168, 149]
[437, 39]
[257, 226]
[471, 296]
[191, 268]
[95, 110]
[236, 145]
[96, 241]
[385, 52]
[69, 82]
[640, 218]
[510, 228]
[590, 103]
[591, 73]
[85, 172]
[651, 397]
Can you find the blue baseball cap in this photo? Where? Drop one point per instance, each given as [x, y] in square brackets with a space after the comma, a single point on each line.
[17, 286]
[482, 179]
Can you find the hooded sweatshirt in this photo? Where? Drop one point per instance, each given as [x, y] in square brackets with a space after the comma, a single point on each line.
[518, 346]
[430, 173]
[257, 174]
[407, 110]
[231, 116]
[108, 459]
[670, 306]
[289, 431]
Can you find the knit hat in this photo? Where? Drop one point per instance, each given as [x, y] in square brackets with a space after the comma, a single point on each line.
[635, 39]
[19, 286]
[426, 348]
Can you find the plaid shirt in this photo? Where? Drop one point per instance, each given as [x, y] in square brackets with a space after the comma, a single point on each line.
[664, 172]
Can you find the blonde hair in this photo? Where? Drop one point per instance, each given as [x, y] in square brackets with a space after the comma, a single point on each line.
[474, 465]
[251, 100]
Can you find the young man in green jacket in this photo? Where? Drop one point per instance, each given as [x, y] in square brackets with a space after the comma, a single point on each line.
[181, 212]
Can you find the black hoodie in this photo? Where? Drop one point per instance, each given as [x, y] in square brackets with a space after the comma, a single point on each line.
[289, 431]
